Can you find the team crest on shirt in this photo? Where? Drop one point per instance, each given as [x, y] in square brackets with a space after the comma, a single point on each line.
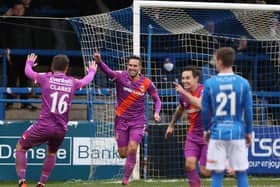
[24, 136]
[142, 88]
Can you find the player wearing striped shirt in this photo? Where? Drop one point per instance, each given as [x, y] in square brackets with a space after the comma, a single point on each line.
[130, 119]
[227, 105]
[195, 148]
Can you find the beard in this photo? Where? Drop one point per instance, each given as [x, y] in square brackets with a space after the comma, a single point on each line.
[133, 74]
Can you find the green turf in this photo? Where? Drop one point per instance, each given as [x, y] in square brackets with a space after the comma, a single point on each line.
[229, 182]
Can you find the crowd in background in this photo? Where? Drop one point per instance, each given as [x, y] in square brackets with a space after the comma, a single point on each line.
[58, 34]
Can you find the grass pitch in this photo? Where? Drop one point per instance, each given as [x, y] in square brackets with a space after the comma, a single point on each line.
[228, 182]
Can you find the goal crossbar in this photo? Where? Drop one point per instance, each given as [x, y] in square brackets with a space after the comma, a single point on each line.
[205, 5]
[137, 4]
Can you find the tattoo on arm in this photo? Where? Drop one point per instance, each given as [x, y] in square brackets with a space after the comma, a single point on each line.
[177, 114]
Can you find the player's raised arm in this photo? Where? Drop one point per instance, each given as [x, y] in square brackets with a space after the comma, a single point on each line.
[91, 72]
[196, 101]
[108, 71]
[30, 62]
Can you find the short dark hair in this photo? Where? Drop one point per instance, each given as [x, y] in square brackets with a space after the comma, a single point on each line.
[60, 62]
[135, 57]
[194, 70]
[226, 55]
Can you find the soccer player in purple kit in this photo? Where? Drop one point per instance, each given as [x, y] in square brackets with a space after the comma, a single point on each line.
[195, 147]
[130, 118]
[58, 90]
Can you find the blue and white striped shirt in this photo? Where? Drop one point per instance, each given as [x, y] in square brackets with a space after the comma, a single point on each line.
[227, 107]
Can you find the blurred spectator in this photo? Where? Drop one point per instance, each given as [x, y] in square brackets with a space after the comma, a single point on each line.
[274, 27]
[168, 75]
[169, 72]
[19, 37]
[27, 6]
[208, 70]
[16, 76]
[242, 45]
[26, 3]
[217, 40]
[17, 10]
[210, 27]
[242, 65]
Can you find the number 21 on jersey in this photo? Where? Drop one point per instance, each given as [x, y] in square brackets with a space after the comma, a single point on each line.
[224, 98]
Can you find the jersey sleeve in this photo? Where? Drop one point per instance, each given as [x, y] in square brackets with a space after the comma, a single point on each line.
[40, 77]
[107, 70]
[247, 103]
[152, 91]
[206, 104]
[80, 83]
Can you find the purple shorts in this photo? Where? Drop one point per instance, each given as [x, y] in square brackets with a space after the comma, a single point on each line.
[126, 131]
[198, 149]
[38, 134]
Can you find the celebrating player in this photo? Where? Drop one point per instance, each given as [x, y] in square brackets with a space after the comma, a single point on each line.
[227, 97]
[58, 90]
[130, 119]
[195, 147]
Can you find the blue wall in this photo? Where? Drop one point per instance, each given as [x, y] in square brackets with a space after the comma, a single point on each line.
[73, 160]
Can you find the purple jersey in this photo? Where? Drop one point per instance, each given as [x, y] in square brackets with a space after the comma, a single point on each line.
[131, 96]
[57, 90]
[57, 93]
[195, 130]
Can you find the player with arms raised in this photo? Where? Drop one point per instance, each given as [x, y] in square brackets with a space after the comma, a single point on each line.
[130, 118]
[195, 147]
[227, 104]
[57, 90]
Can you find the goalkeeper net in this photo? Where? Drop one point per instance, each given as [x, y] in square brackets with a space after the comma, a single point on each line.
[169, 39]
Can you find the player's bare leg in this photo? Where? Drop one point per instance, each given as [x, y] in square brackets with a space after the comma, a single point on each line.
[21, 164]
[205, 172]
[130, 161]
[190, 164]
[122, 152]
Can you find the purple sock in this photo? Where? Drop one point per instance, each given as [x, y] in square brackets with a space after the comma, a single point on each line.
[21, 164]
[48, 166]
[193, 177]
[129, 165]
